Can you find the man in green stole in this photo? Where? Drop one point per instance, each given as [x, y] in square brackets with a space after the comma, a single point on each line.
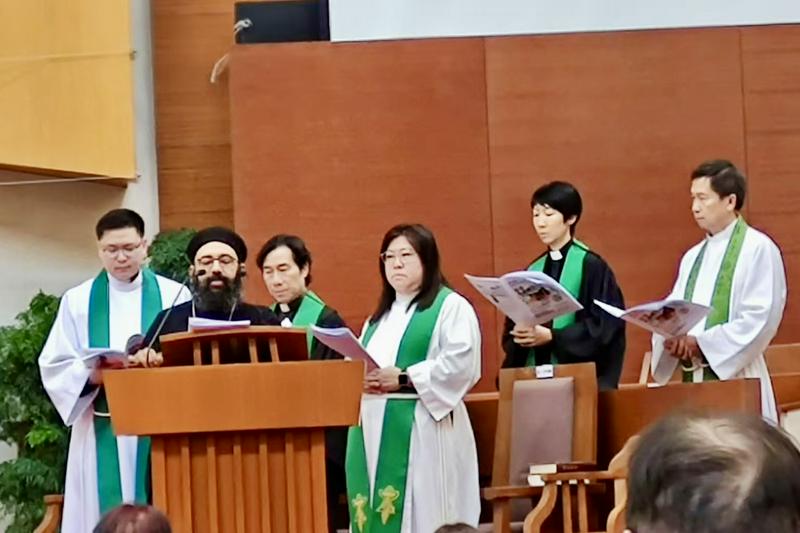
[285, 265]
[103, 470]
[590, 334]
[738, 272]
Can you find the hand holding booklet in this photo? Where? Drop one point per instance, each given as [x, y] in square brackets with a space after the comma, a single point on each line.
[343, 341]
[668, 318]
[528, 298]
[93, 356]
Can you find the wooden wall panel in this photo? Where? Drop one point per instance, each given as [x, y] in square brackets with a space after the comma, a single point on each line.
[770, 59]
[625, 117]
[192, 131]
[338, 142]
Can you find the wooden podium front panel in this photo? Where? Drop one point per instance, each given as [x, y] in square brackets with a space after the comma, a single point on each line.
[257, 481]
[236, 397]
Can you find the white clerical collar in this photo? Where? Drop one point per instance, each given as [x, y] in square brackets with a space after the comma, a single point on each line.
[125, 286]
[723, 235]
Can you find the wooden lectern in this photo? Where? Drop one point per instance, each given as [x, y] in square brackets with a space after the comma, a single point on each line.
[238, 447]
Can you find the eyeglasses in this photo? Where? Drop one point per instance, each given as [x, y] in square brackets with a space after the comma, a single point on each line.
[225, 260]
[404, 256]
[127, 249]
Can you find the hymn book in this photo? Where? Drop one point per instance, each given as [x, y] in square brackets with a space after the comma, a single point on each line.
[668, 318]
[526, 297]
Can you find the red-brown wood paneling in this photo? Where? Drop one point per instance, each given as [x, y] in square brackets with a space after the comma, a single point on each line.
[192, 131]
[770, 59]
[625, 117]
[339, 142]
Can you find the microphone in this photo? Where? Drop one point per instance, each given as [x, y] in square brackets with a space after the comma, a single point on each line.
[166, 315]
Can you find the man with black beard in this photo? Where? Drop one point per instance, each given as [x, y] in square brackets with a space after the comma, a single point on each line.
[218, 257]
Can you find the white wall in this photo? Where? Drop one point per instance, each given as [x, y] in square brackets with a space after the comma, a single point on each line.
[359, 20]
[47, 237]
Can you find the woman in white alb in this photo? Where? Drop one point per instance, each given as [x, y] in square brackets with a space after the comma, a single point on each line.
[412, 463]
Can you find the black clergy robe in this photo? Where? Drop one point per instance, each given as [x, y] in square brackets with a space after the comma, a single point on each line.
[329, 318]
[595, 336]
[178, 319]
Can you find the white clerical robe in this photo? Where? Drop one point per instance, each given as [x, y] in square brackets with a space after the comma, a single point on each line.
[758, 295]
[65, 375]
[442, 484]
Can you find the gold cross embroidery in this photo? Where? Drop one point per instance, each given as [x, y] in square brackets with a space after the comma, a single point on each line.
[359, 503]
[388, 496]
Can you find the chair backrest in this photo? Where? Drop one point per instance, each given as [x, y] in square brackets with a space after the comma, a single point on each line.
[783, 359]
[582, 381]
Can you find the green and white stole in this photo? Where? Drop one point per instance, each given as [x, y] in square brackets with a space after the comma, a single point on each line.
[571, 279]
[721, 297]
[384, 512]
[108, 476]
[308, 314]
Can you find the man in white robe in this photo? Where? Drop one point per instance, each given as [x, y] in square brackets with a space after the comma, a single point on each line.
[737, 271]
[72, 386]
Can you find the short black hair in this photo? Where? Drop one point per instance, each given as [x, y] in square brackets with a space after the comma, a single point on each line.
[698, 473]
[119, 219]
[300, 253]
[561, 196]
[424, 243]
[725, 178]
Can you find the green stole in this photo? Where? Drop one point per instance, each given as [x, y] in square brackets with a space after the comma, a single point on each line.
[108, 478]
[571, 279]
[308, 314]
[384, 512]
[721, 297]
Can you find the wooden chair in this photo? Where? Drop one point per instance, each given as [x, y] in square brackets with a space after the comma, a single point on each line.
[616, 475]
[783, 362]
[54, 504]
[584, 435]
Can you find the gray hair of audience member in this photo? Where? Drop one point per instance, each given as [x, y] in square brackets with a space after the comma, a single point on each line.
[129, 518]
[696, 473]
[461, 527]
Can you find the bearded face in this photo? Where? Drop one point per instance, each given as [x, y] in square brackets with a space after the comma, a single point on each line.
[217, 292]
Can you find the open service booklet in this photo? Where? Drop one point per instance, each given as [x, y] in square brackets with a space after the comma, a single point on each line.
[668, 318]
[92, 356]
[528, 298]
[342, 341]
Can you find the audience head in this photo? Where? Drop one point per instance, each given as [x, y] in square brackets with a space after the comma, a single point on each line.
[285, 265]
[121, 244]
[128, 518]
[461, 527]
[409, 265]
[718, 191]
[556, 209]
[714, 474]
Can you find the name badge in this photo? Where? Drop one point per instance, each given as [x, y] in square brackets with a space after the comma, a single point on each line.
[544, 371]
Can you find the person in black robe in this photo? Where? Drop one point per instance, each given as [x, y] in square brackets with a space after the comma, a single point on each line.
[218, 256]
[285, 265]
[594, 336]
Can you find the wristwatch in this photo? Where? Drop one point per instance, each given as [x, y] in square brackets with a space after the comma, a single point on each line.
[402, 379]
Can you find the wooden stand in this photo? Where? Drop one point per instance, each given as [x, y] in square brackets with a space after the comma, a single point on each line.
[238, 447]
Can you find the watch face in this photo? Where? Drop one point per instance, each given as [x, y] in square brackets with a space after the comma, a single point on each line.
[403, 379]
